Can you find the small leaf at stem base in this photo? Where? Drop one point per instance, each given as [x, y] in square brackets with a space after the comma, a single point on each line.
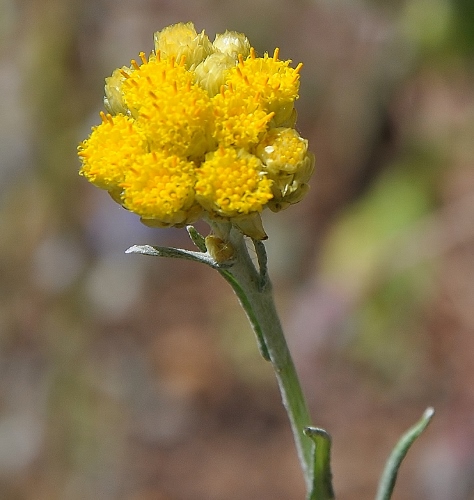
[322, 477]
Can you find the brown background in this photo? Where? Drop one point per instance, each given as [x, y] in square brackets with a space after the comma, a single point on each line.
[127, 377]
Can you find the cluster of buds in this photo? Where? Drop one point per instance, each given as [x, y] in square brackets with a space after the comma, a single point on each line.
[200, 129]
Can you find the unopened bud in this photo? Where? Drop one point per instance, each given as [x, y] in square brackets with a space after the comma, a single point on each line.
[219, 249]
[233, 44]
[288, 164]
[180, 40]
[211, 73]
[113, 100]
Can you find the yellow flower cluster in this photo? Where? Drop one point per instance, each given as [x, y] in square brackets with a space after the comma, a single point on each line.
[200, 129]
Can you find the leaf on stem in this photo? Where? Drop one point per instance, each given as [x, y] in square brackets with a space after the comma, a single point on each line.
[322, 476]
[177, 253]
[264, 281]
[389, 476]
[197, 238]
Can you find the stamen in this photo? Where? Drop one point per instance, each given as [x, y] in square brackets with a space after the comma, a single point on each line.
[276, 53]
[267, 118]
[109, 118]
[134, 64]
[222, 90]
[182, 60]
[297, 70]
[158, 55]
[241, 60]
[253, 55]
[124, 73]
[172, 61]
[197, 111]
[143, 57]
[175, 87]
[103, 117]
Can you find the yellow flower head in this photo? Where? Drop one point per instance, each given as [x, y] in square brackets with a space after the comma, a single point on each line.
[231, 183]
[111, 150]
[172, 110]
[240, 120]
[274, 81]
[160, 186]
[200, 129]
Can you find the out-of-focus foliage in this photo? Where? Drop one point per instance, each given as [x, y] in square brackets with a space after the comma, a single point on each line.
[366, 254]
[463, 26]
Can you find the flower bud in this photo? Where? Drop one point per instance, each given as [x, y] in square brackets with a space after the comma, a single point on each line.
[288, 164]
[219, 249]
[113, 100]
[180, 40]
[211, 73]
[233, 44]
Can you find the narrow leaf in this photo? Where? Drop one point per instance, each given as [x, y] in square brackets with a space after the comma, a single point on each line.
[176, 253]
[197, 238]
[322, 476]
[389, 476]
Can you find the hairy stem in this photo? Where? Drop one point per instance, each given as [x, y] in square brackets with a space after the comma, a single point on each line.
[259, 305]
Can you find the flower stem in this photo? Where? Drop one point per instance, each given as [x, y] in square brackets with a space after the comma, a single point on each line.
[254, 290]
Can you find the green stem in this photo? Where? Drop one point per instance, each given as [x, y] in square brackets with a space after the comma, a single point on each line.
[254, 291]
[257, 300]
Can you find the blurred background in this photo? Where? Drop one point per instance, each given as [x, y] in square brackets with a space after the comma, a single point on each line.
[127, 377]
